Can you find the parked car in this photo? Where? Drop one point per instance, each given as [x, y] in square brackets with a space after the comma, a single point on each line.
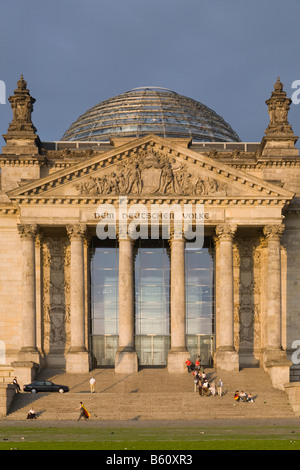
[45, 386]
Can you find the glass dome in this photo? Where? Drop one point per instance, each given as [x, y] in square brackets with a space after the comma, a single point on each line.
[150, 110]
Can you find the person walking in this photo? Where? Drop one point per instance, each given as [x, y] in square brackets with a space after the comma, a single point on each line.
[92, 384]
[83, 412]
[220, 387]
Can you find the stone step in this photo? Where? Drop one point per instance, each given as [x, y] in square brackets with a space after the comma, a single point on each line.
[153, 395]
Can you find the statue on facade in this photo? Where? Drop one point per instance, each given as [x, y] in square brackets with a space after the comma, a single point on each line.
[151, 175]
[279, 136]
[21, 128]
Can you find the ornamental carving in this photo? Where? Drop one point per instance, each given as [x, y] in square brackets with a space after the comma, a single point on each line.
[28, 231]
[56, 295]
[77, 232]
[226, 231]
[278, 108]
[22, 107]
[273, 231]
[152, 173]
[247, 296]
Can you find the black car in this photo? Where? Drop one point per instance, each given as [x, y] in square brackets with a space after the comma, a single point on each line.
[45, 386]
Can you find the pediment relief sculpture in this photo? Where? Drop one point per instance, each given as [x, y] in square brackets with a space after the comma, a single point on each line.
[152, 173]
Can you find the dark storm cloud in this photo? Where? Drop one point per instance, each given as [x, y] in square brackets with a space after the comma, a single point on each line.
[75, 54]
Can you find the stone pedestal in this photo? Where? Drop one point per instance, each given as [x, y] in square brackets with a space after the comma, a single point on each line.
[126, 361]
[25, 371]
[77, 362]
[226, 357]
[176, 361]
[293, 392]
[7, 395]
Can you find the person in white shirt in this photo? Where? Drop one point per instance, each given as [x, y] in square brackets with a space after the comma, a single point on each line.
[92, 384]
[220, 387]
[213, 389]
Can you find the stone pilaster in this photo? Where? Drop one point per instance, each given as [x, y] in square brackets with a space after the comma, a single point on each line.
[29, 351]
[77, 356]
[226, 356]
[126, 360]
[178, 353]
[274, 357]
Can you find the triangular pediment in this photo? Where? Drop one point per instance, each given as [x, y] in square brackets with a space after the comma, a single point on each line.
[149, 167]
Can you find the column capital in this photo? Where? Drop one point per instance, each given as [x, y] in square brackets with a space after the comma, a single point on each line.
[125, 238]
[176, 234]
[225, 232]
[77, 232]
[173, 239]
[274, 232]
[28, 231]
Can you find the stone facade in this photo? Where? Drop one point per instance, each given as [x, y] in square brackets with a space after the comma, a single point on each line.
[49, 197]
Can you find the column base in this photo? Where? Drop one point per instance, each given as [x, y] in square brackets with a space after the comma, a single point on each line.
[276, 364]
[126, 362]
[227, 359]
[177, 361]
[28, 354]
[77, 362]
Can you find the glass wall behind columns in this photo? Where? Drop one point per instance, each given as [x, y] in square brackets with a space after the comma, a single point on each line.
[200, 309]
[152, 301]
[104, 298]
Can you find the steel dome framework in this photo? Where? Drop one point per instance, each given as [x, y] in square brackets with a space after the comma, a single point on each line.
[150, 110]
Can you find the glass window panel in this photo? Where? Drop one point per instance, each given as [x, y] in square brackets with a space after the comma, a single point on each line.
[104, 288]
[199, 290]
[152, 301]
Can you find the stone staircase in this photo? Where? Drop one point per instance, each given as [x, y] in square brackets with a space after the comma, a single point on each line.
[154, 395]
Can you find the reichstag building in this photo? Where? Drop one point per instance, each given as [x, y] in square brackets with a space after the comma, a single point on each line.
[72, 299]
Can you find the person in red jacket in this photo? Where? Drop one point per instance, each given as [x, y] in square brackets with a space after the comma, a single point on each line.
[188, 364]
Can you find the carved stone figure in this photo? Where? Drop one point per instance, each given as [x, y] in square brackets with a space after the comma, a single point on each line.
[56, 302]
[151, 174]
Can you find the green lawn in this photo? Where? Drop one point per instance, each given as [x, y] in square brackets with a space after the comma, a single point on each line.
[82, 437]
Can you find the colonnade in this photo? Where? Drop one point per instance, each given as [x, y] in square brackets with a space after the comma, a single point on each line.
[226, 356]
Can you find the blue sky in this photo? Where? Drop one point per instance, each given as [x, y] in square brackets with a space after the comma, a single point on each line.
[75, 54]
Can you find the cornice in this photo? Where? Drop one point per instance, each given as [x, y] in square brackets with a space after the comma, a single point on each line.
[9, 209]
[208, 200]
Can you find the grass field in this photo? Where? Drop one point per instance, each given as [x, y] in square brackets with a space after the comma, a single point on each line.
[184, 438]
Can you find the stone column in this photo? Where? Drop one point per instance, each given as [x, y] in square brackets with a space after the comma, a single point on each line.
[77, 356]
[29, 351]
[226, 357]
[273, 234]
[274, 358]
[126, 361]
[178, 353]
